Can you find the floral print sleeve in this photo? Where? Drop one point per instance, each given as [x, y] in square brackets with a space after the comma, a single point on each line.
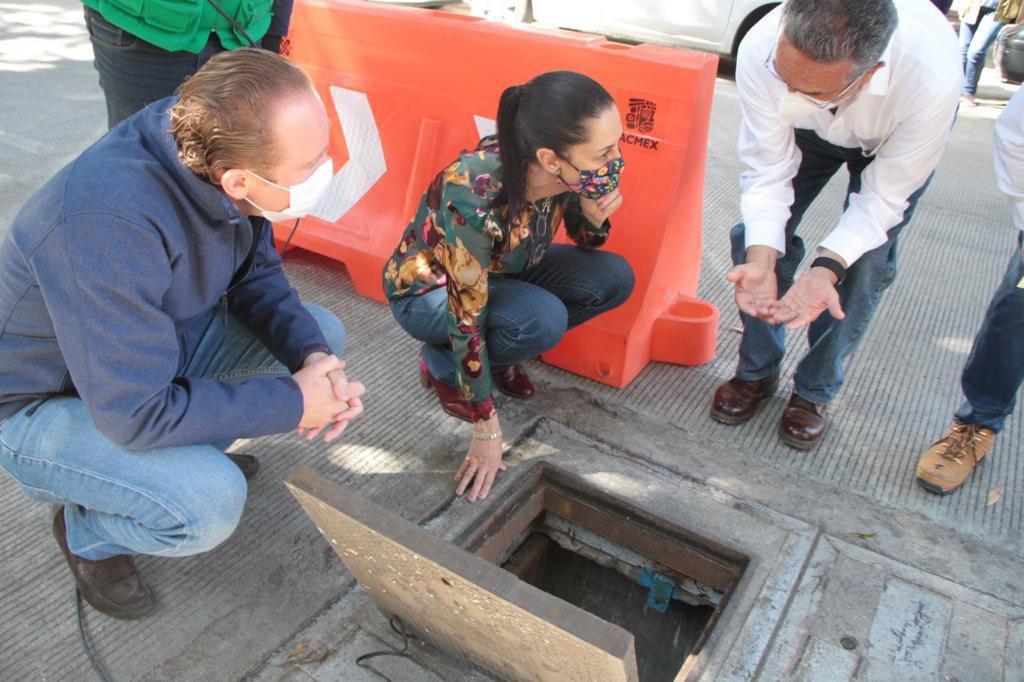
[457, 241]
[470, 230]
[580, 230]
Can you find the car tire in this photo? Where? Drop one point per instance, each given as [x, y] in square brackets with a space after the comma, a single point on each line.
[748, 23]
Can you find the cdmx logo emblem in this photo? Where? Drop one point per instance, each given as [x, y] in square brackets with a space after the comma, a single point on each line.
[641, 115]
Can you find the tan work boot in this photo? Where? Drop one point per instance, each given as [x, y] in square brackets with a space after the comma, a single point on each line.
[949, 462]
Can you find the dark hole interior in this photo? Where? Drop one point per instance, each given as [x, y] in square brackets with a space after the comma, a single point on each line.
[664, 584]
[663, 640]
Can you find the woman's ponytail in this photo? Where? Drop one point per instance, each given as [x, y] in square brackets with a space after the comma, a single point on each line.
[513, 160]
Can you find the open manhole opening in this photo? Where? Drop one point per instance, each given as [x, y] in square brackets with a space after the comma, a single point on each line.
[662, 583]
[557, 580]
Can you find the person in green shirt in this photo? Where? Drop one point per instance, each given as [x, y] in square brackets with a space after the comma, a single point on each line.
[475, 276]
[144, 49]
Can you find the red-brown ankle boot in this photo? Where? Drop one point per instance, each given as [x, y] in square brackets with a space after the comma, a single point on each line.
[451, 401]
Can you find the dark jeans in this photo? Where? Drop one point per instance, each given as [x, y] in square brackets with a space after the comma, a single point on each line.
[995, 368]
[528, 313]
[819, 375]
[134, 73]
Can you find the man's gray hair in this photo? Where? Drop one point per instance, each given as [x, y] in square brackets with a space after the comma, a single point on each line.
[829, 31]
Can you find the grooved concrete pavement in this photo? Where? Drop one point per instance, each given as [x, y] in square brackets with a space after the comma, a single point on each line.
[224, 613]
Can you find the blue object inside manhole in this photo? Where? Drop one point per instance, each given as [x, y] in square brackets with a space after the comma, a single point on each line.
[661, 589]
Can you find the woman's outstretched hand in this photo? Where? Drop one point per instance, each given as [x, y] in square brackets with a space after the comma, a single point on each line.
[483, 461]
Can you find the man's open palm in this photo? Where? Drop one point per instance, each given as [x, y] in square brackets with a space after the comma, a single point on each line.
[756, 288]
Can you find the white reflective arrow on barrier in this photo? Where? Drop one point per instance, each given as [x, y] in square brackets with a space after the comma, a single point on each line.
[485, 126]
[365, 165]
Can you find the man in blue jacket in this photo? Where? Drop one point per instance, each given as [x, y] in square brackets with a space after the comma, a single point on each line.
[147, 322]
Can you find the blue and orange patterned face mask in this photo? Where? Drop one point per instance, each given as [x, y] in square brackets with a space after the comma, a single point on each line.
[594, 184]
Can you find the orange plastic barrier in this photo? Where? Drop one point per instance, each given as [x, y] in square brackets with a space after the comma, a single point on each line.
[408, 89]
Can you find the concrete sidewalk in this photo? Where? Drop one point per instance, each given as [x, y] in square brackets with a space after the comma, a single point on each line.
[275, 602]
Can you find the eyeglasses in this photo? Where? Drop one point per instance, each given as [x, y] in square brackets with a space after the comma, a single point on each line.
[769, 63]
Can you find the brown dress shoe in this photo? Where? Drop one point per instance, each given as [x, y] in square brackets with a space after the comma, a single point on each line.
[948, 463]
[452, 401]
[113, 586]
[803, 423]
[247, 463]
[514, 382]
[737, 400]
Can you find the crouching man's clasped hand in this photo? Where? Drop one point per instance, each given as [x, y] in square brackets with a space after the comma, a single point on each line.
[330, 400]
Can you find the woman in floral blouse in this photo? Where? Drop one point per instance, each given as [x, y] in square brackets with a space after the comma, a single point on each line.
[475, 276]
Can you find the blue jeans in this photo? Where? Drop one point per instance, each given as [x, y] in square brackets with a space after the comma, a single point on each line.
[995, 368]
[975, 39]
[134, 73]
[819, 375]
[171, 501]
[528, 313]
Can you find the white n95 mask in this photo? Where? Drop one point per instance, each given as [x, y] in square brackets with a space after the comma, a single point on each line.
[796, 107]
[303, 197]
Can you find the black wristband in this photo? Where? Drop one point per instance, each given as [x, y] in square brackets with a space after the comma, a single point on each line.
[831, 264]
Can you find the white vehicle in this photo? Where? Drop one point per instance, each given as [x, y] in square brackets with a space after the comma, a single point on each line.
[709, 25]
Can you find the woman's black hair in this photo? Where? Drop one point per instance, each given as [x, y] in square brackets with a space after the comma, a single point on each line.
[550, 111]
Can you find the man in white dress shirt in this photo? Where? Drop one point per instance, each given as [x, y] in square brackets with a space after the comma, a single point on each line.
[872, 85]
[995, 369]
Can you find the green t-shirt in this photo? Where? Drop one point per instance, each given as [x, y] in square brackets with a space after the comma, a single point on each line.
[176, 25]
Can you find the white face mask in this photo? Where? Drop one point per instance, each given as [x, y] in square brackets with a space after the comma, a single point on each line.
[797, 106]
[303, 197]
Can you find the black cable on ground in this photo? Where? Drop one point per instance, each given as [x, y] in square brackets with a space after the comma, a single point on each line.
[85, 640]
[396, 625]
[399, 629]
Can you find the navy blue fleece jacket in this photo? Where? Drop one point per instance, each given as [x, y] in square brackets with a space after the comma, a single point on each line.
[106, 274]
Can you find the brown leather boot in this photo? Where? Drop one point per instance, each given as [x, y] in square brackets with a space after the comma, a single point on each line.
[451, 400]
[514, 382]
[113, 586]
[803, 423]
[948, 463]
[737, 400]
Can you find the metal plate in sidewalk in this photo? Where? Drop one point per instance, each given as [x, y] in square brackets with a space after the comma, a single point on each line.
[458, 602]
